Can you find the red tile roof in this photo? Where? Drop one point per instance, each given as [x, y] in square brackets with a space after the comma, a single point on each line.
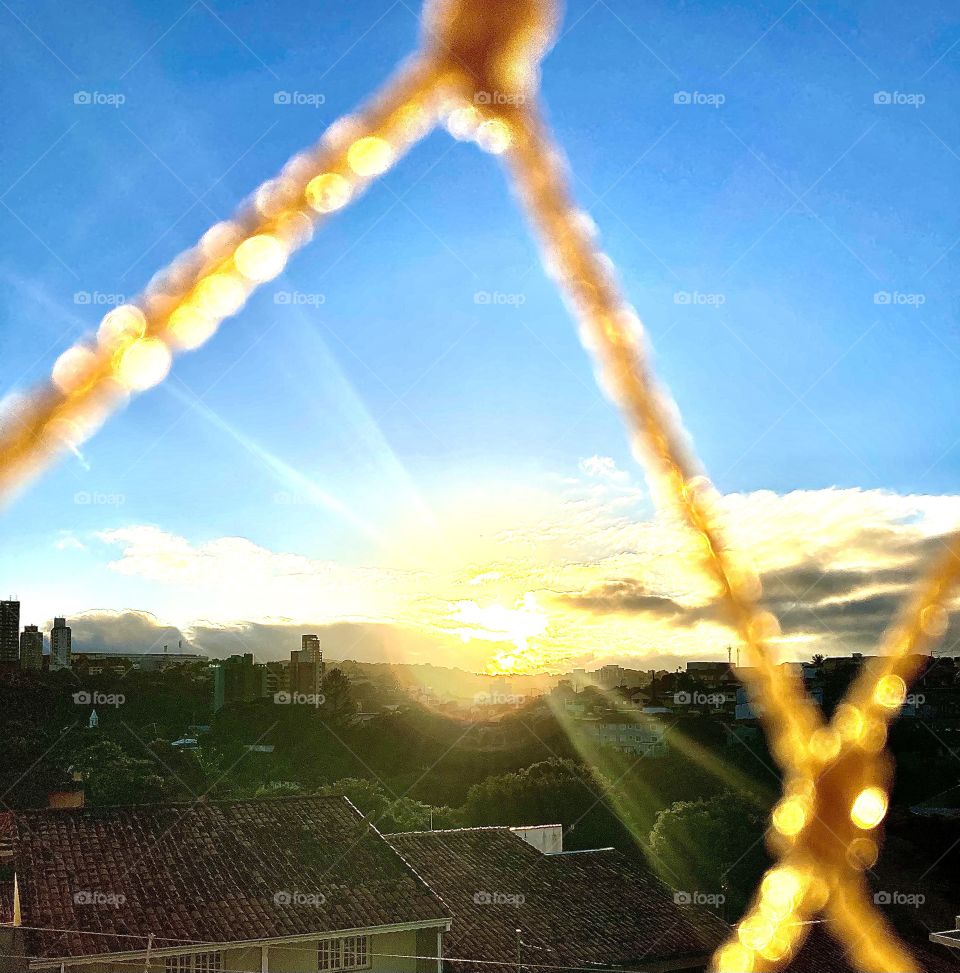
[211, 872]
[821, 953]
[579, 909]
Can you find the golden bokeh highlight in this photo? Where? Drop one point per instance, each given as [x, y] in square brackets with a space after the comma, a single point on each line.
[494, 136]
[734, 958]
[261, 258]
[790, 816]
[890, 692]
[220, 295]
[825, 745]
[121, 326]
[869, 808]
[190, 327]
[328, 192]
[75, 369]
[370, 156]
[144, 364]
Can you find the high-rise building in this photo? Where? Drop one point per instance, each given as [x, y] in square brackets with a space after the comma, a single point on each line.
[60, 645]
[310, 647]
[31, 648]
[306, 666]
[9, 632]
[238, 680]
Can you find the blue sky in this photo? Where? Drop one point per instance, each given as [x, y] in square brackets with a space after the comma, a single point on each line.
[784, 210]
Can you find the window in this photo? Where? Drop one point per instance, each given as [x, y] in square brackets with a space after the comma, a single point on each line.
[346, 953]
[194, 963]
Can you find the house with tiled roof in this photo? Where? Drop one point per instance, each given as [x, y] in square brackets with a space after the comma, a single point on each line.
[515, 905]
[519, 903]
[281, 885]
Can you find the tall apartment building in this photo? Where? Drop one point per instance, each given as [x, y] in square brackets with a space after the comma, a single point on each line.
[9, 632]
[31, 648]
[61, 650]
[238, 680]
[306, 666]
[310, 647]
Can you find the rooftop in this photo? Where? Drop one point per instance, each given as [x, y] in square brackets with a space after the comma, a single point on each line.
[217, 872]
[597, 907]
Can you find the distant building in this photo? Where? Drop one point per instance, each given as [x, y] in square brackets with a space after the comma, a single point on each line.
[61, 650]
[31, 648]
[643, 736]
[310, 647]
[238, 680]
[9, 632]
[709, 673]
[141, 661]
[278, 677]
[306, 667]
[610, 677]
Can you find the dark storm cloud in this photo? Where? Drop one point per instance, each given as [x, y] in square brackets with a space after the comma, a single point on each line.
[628, 596]
[122, 631]
[356, 641]
[848, 609]
[139, 632]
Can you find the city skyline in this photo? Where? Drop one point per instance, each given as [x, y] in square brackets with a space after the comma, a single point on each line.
[400, 439]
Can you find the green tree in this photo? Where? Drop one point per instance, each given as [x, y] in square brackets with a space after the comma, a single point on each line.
[551, 791]
[113, 776]
[338, 705]
[713, 846]
[388, 813]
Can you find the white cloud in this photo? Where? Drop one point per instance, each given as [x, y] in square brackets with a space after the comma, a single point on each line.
[603, 468]
[69, 542]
